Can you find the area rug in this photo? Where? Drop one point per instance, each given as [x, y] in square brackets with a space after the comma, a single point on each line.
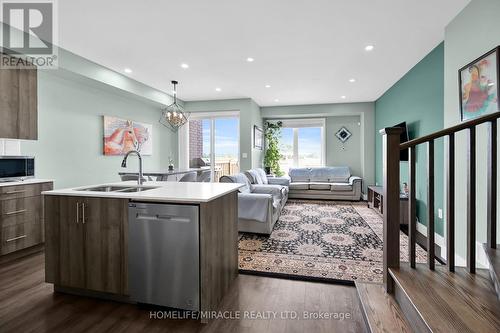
[321, 240]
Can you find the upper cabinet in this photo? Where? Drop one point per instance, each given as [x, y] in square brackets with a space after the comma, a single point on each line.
[18, 103]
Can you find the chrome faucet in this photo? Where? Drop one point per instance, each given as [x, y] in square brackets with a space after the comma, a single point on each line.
[124, 164]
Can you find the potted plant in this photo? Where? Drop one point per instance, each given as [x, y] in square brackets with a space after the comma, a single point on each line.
[272, 134]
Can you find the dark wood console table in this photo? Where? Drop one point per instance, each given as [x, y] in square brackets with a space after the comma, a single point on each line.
[376, 201]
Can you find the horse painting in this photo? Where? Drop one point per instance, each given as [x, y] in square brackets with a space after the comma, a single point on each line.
[121, 136]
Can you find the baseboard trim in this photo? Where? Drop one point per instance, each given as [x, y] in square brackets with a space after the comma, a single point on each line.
[422, 242]
[296, 277]
[481, 258]
[6, 258]
[93, 294]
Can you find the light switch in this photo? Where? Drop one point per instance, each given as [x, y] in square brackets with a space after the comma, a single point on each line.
[440, 213]
[244, 155]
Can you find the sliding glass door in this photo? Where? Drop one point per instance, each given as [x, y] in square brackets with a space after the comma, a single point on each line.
[214, 144]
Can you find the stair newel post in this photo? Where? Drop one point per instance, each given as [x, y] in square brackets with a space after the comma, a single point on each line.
[390, 159]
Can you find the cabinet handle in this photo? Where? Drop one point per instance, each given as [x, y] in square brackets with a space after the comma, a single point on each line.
[77, 212]
[15, 192]
[16, 212]
[83, 213]
[15, 238]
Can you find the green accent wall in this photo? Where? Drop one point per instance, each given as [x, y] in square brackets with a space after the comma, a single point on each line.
[418, 99]
[472, 33]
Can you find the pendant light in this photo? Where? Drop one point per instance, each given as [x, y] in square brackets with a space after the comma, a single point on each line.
[174, 116]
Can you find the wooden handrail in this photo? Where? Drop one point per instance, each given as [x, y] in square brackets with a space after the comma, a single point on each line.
[451, 130]
[391, 225]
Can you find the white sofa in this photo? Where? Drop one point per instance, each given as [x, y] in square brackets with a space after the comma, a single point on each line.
[331, 183]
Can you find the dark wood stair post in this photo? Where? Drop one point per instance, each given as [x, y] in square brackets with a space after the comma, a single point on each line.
[390, 160]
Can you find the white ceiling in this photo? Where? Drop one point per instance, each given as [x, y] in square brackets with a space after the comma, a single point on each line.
[307, 50]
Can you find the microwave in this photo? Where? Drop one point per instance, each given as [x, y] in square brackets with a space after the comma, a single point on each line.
[14, 168]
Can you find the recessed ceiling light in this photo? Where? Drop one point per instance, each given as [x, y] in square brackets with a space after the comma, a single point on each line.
[352, 80]
[276, 100]
[343, 97]
[268, 86]
[369, 48]
[127, 70]
[218, 89]
[249, 59]
[184, 65]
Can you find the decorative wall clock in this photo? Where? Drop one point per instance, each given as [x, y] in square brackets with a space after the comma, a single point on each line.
[343, 134]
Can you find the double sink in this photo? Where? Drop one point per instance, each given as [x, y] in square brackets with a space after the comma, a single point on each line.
[114, 188]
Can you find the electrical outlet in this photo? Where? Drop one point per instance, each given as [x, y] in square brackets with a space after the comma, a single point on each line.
[440, 213]
[244, 155]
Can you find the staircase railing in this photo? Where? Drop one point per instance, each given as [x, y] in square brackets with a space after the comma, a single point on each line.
[391, 161]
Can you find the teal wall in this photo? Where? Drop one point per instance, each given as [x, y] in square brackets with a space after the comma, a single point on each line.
[249, 116]
[359, 151]
[418, 99]
[472, 33]
[70, 143]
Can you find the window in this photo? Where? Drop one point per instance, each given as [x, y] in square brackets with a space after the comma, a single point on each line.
[302, 143]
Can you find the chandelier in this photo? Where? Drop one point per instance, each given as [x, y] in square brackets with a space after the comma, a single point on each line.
[173, 116]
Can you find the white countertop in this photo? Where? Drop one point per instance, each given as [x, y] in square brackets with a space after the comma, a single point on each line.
[26, 182]
[179, 192]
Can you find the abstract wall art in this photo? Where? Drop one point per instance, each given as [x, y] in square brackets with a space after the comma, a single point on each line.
[479, 88]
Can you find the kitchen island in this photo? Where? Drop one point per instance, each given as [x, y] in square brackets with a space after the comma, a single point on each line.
[88, 242]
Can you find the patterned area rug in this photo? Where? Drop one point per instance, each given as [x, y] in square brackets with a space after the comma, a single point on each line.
[321, 240]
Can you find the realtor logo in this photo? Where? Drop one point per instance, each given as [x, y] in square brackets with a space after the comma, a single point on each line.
[28, 32]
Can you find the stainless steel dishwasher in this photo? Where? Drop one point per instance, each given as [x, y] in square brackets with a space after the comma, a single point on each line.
[164, 265]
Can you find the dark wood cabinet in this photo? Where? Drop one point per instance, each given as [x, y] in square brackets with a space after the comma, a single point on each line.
[21, 216]
[86, 243]
[376, 201]
[71, 254]
[18, 103]
[86, 248]
[104, 244]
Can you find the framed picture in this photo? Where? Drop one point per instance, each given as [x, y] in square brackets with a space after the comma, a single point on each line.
[258, 137]
[479, 89]
[123, 135]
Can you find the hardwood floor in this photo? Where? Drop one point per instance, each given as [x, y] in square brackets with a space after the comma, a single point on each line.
[381, 311]
[28, 304]
[443, 302]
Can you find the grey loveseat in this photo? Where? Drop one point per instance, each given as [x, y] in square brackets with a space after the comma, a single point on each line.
[259, 205]
[335, 183]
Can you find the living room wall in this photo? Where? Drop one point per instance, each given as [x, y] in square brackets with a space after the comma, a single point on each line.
[249, 116]
[474, 31]
[358, 152]
[349, 152]
[417, 98]
[69, 148]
